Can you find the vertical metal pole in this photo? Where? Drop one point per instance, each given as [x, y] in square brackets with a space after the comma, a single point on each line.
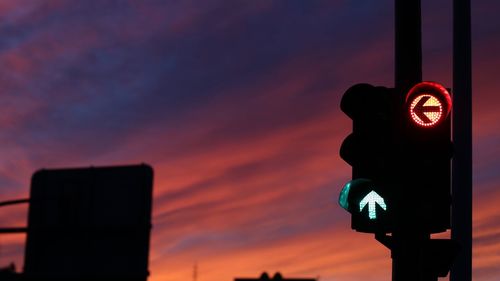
[407, 247]
[408, 43]
[461, 222]
[407, 243]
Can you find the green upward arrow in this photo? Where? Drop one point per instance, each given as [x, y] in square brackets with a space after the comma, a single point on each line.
[371, 199]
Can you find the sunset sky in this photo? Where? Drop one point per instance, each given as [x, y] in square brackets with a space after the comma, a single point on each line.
[235, 104]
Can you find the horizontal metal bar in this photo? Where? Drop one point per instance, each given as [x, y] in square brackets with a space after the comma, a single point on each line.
[14, 230]
[14, 202]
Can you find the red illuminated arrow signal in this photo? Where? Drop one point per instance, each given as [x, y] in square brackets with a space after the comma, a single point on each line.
[428, 103]
[421, 109]
[426, 110]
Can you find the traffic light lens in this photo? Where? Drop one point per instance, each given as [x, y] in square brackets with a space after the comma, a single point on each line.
[428, 104]
[344, 194]
[426, 110]
[371, 200]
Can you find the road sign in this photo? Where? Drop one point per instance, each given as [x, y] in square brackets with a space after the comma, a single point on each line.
[89, 224]
[429, 104]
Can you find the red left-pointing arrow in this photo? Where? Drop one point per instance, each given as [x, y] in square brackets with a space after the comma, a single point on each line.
[421, 109]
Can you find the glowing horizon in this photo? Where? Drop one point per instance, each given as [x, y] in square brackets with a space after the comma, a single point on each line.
[236, 107]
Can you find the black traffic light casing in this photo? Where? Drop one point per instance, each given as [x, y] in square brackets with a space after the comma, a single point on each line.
[406, 163]
[372, 110]
[425, 177]
[369, 149]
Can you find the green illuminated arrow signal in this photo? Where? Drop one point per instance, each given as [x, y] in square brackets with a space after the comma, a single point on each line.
[371, 199]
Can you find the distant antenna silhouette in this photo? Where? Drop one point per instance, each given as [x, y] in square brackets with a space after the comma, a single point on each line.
[195, 272]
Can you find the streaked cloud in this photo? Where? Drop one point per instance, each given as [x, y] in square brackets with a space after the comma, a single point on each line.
[237, 109]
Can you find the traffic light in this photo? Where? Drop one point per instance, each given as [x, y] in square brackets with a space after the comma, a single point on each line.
[368, 205]
[369, 150]
[400, 153]
[427, 152]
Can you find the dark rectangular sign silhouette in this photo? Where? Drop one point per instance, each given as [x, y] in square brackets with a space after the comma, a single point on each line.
[89, 224]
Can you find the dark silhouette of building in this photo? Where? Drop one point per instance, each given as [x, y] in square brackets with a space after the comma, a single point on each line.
[277, 277]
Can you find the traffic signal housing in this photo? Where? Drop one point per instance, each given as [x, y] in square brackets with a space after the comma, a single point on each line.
[427, 152]
[399, 149]
[372, 112]
[368, 149]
